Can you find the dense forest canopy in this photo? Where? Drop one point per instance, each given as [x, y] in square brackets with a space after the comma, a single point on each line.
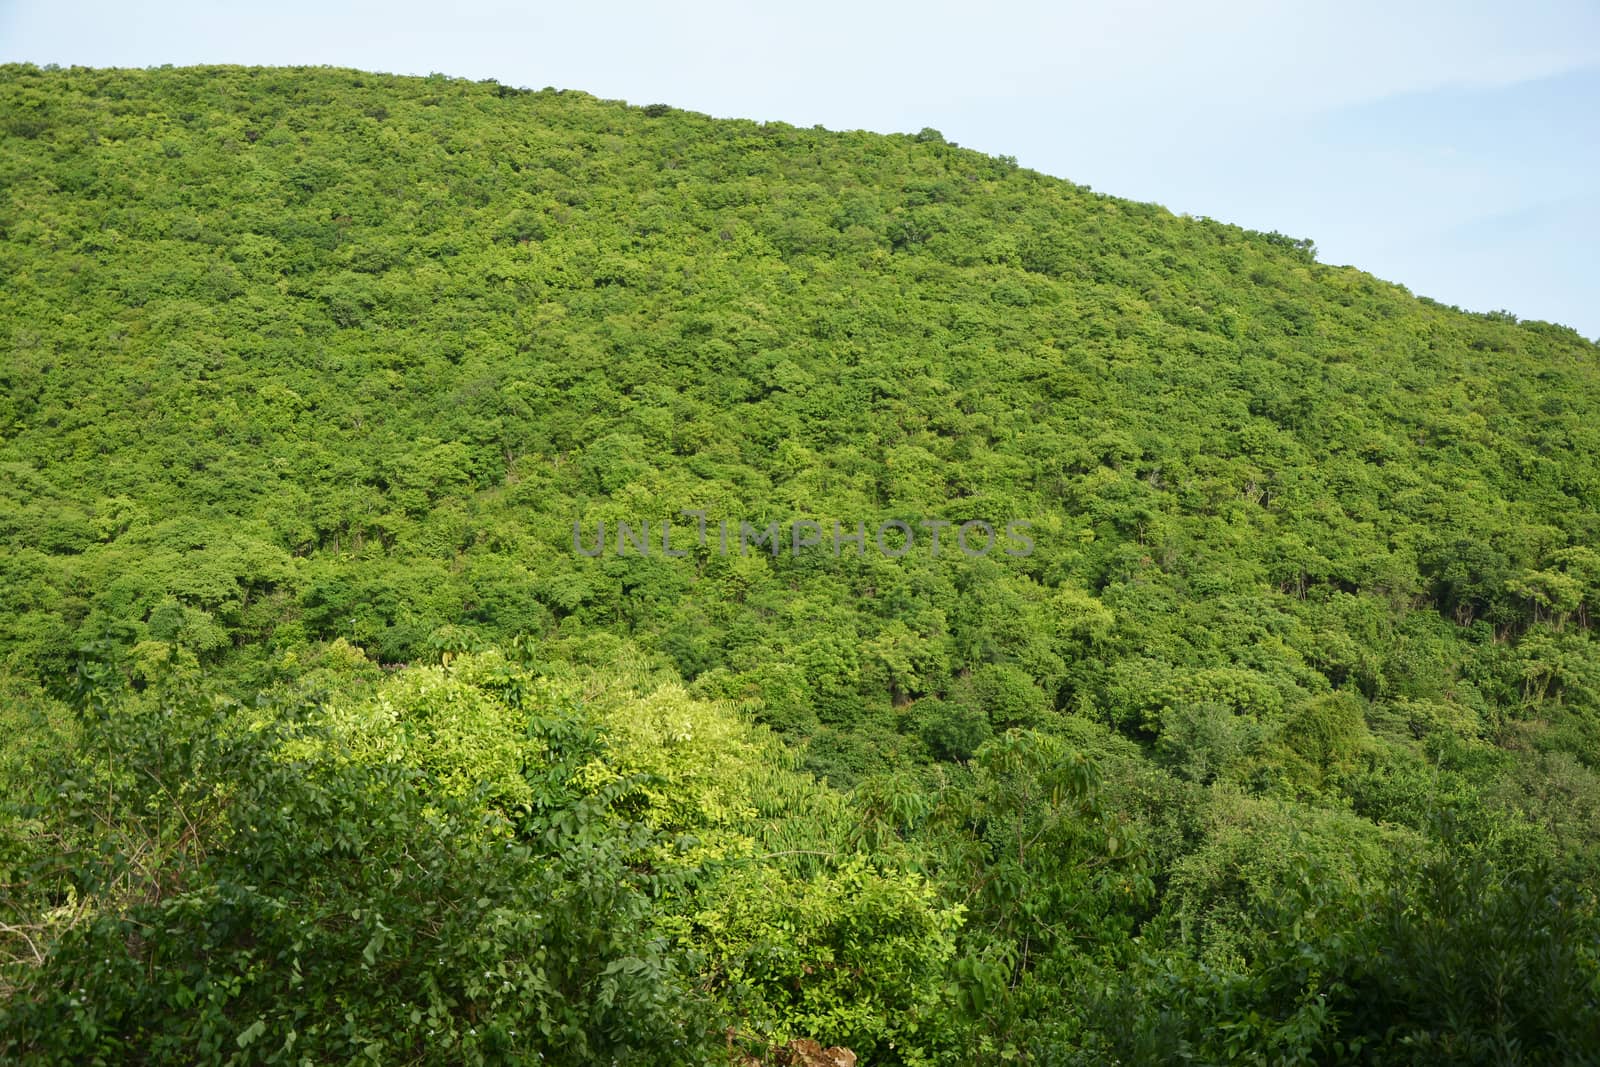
[326, 734]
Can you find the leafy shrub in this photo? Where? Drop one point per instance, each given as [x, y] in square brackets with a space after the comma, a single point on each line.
[251, 905]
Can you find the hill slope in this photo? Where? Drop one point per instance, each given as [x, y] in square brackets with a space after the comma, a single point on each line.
[1297, 568]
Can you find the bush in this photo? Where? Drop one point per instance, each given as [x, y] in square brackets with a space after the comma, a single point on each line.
[952, 730]
[1200, 741]
[219, 899]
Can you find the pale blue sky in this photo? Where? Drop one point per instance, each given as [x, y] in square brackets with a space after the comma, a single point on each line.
[1449, 146]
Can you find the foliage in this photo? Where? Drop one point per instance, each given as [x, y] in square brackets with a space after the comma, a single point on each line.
[1278, 746]
[201, 893]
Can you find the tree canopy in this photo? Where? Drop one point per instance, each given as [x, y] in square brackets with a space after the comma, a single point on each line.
[326, 733]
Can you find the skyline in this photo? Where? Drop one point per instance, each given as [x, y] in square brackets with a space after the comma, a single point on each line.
[1446, 148]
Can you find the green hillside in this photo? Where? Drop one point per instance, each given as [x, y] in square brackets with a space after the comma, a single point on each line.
[1263, 725]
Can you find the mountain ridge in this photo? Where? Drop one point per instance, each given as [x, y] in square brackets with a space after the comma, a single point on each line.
[315, 376]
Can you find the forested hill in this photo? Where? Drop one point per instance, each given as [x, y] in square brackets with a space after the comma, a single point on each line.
[1268, 724]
